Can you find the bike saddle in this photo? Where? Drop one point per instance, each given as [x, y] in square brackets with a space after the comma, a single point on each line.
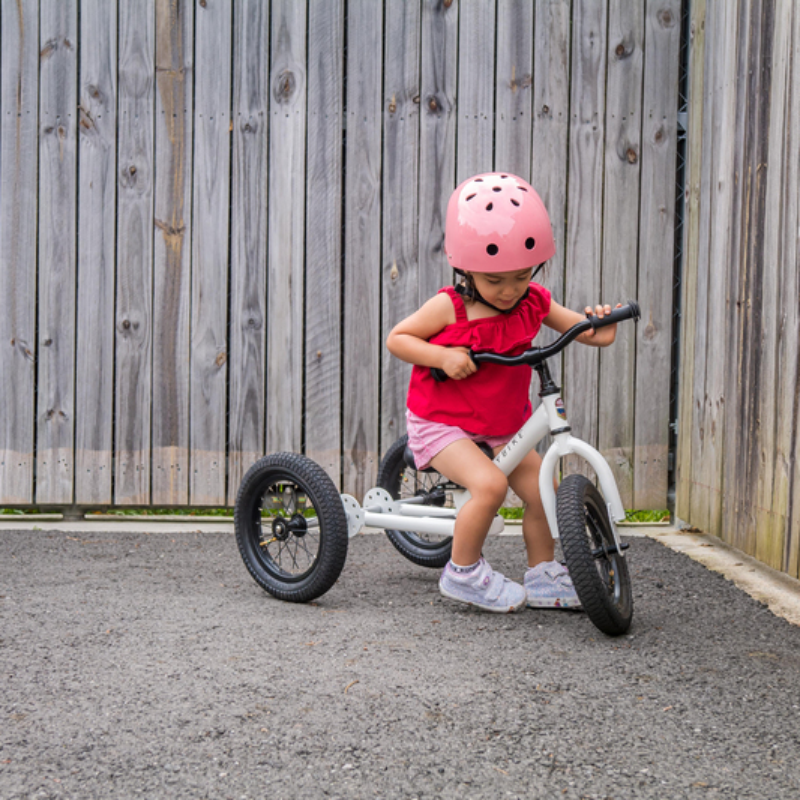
[408, 457]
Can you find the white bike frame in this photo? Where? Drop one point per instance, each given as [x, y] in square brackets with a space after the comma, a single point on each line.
[380, 510]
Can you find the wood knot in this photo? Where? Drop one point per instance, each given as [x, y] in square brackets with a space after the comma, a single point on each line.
[632, 155]
[545, 109]
[666, 18]
[283, 86]
[433, 104]
[49, 48]
[221, 359]
[393, 105]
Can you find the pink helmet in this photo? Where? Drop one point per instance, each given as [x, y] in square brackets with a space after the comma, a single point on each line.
[497, 223]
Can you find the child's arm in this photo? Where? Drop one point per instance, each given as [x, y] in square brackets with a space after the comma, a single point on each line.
[408, 340]
[562, 319]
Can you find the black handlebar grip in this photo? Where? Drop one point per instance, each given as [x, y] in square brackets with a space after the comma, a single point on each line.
[628, 311]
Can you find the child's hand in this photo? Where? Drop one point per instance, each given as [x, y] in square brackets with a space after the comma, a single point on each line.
[458, 363]
[599, 312]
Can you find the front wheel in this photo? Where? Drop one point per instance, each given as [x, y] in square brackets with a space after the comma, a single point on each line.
[402, 482]
[599, 573]
[291, 527]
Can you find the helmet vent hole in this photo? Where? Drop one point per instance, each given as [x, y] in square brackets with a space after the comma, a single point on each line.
[471, 196]
[497, 188]
[489, 207]
[492, 249]
[530, 243]
[522, 188]
[514, 202]
[478, 180]
[504, 176]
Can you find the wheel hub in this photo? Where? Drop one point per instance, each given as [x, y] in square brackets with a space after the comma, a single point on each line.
[283, 528]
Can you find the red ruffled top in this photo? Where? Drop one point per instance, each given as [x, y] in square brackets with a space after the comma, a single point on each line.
[494, 401]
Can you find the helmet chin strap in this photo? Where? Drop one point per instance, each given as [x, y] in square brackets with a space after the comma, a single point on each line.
[473, 294]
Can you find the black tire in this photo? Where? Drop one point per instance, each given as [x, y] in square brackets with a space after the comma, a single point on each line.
[397, 478]
[291, 527]
[600, 577]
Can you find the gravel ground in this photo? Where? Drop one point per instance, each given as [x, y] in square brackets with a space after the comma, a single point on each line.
[152, 665]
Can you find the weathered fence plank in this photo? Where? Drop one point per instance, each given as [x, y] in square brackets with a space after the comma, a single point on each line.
[549, 142]
[97, 177]
[324, 187]
[400, 258]
[691, 251]
[210, 221]
[770, 522]
[513, 90]
[737, 447]
[437, 146]
[55, 417]
[362, 215]
[697, 504]
[656, 250]
[623, 151]
[172, 253]
[720, 258]
[19, 143]
[248, 281]
[475, 129]
[286, 221]
[585, 203]
[133, 352]
[788, 435]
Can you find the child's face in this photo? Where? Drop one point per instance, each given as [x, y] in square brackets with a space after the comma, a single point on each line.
[502, 289]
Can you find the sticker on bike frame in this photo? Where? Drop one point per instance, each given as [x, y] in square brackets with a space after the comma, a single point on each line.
[560, 410]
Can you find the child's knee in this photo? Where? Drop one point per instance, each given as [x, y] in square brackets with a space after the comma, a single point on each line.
[493, 489]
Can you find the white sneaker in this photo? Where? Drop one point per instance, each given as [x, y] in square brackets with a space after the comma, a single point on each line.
[483, 588]
[548, 585]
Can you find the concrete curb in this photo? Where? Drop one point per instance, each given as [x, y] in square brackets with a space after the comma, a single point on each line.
[780, 592]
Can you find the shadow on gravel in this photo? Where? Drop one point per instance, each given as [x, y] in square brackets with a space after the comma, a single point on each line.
[152, 665]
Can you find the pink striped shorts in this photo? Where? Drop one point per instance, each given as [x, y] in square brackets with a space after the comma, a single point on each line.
[427, 439]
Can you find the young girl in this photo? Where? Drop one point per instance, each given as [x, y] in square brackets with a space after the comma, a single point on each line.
[497, 230]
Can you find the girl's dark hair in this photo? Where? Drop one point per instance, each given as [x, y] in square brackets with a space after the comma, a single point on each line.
[468, 282]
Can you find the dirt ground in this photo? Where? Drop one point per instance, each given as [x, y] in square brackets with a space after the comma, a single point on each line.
[151, 665]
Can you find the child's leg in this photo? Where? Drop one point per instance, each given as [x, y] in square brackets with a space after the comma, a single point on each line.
[464, 463]
[549, 585]
[524, 480]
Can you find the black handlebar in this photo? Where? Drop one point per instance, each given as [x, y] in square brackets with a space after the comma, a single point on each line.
[536, 355]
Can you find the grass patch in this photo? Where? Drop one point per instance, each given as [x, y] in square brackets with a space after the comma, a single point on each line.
[163, 512]
[649, 517]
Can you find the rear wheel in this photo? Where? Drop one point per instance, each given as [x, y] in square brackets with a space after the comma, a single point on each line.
[402, 482]
[291, 527]
[599, 573]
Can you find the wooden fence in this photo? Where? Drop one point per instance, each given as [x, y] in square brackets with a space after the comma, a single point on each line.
[211, 214]
[739, 444]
